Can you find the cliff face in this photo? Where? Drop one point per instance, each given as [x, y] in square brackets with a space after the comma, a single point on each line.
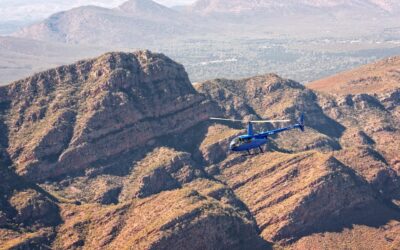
[67, 119]
[118, 152]
[184, 218]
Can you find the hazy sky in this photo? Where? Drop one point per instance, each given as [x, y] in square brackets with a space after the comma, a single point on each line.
[20, 10]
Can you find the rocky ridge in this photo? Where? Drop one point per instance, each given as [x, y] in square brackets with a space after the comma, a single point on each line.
[118, 152]
[72, 112]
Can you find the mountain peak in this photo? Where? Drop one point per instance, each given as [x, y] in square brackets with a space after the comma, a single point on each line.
[85, 25]
[121, 89]
[140, 6]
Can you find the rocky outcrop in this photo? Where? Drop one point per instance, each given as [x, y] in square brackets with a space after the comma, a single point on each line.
[161, 170]
[373, 167]
[33, 207]
[96, 110]
[292, 196]
[38, 239]
[357, 237]
[216, 141]
[3, 219]
[181, 219]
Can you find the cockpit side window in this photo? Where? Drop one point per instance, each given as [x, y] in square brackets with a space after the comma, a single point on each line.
[236, 142]
[247, 140]
[239, 141]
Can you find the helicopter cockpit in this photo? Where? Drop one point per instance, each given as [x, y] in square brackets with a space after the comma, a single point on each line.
[240, 141]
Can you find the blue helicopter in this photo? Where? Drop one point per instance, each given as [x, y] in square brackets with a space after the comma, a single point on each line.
[255, 140]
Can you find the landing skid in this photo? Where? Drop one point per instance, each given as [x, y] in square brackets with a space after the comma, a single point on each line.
[255, 153]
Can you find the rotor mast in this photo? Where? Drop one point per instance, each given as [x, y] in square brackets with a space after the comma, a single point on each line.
[250, 130]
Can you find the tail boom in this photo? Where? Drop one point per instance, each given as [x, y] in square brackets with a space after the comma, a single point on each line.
[299, 125]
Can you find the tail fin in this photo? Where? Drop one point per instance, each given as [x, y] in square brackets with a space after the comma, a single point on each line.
[301, 122]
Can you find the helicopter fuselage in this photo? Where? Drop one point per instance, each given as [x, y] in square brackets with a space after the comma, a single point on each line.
[252, 140]
[246, 142]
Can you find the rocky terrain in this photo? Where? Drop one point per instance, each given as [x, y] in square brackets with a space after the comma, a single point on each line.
[118, 152]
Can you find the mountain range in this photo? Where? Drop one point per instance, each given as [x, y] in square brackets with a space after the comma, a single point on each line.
[241, 6]
[102, 26]
[118, 152]
[123, 25]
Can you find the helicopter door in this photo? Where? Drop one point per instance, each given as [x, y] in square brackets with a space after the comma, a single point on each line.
[247, 140]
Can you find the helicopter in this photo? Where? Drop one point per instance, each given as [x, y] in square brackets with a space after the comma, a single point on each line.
[253, 140]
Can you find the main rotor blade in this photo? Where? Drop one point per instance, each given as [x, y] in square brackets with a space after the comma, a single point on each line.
[260, 121]
[269, 121]
[223, 119]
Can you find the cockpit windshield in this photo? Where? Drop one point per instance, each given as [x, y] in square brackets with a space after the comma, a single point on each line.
[239, 141]
[235, 142]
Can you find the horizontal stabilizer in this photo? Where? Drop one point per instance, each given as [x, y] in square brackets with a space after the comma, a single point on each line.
[301, 122]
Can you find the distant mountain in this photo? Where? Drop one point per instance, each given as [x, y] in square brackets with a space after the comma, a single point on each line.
[134, 22]
[148, 9]
[231, 38]
[289, 6]
[388, 5]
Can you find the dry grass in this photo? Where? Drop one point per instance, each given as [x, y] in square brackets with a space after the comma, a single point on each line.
[379, 77]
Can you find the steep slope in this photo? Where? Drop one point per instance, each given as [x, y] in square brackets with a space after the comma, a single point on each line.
[380, 77]
[179, 219]
[99, 109]
[297, 195]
